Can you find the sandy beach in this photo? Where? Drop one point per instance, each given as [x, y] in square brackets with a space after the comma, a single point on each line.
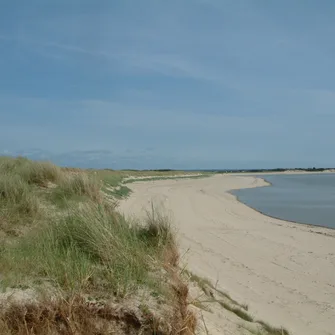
[285, 272]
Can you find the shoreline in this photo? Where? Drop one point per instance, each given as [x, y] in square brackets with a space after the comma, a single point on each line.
[284, 271]
[269, 184]
[289, 172]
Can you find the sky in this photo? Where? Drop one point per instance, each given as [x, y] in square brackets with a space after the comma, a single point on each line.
[182, 84]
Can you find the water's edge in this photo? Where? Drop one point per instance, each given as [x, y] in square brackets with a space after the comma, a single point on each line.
[269, 184]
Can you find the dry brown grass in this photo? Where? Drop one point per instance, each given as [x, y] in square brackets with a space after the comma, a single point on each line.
[76, 315]
[69, 316]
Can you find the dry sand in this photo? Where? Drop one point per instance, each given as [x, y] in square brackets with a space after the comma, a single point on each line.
[285, 272]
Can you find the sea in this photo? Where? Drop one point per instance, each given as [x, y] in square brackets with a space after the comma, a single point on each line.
[301, 198]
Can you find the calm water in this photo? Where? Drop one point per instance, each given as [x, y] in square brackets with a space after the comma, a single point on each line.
[300, 198]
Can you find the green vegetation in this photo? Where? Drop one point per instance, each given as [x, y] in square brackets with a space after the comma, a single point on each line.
[76, 186]
[115, 181]
[313, 169]
[236, 310]
[110, 178]
[203, 283]
[18, 202]
[213, 296]
[115, 178]
[118, 192]
[38, 173]
[153, 178]
[89, 248]
[82, 265]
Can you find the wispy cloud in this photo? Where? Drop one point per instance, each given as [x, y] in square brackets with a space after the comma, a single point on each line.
[171, 65]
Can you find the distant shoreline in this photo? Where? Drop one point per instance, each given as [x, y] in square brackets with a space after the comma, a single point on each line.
[287, 172]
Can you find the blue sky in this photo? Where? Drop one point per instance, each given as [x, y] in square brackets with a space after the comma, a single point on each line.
[168, 84]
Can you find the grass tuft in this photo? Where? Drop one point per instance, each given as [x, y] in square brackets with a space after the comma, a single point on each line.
[119, 192]
[203, 283]
[11, 164]
[32, 172]
[39, 173]
[76, 186]
[238, 311]
[241, 310]
[18, 204]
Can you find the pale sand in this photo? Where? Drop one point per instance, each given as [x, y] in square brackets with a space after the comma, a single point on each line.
[285, 272]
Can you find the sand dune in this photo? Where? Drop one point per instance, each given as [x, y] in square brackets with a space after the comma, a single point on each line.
[285, 272]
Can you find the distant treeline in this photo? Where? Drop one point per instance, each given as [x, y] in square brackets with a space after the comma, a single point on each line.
[313, 169]
[157, 170]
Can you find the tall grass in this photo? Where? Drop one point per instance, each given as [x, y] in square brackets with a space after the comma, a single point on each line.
[32, 172]
[10, 164]
[17, 202]
[90, 247]
[77, 185]
[40, 173]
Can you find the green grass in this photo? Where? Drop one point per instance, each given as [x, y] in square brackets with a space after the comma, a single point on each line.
[38, 173]
[18, 203]
[172, 177]
[237, 311]
[240, 310]
[76, 186]
[111, 178]
[206, 284]
[90, 247]
[119, 192]
[115, 181]
[10, 164]
[202, 282]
